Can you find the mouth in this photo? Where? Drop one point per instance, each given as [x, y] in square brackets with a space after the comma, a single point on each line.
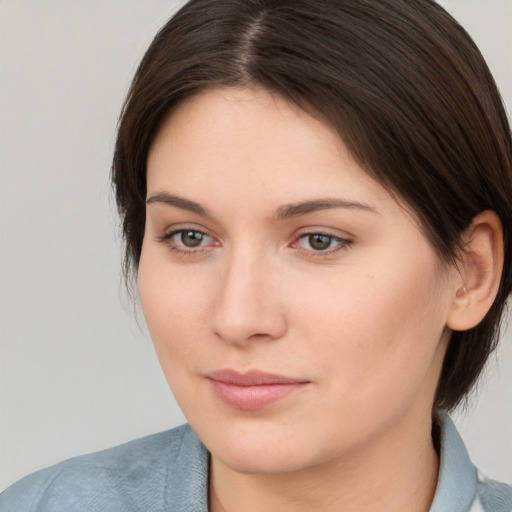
[254, 389]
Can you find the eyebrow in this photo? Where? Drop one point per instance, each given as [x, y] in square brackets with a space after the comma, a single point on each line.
[298, 209]
[179, 202]
[282, 213]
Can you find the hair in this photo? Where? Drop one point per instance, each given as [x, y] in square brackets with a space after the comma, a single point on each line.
[400, 81]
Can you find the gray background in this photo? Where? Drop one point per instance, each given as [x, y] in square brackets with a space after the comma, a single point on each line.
[77, 372]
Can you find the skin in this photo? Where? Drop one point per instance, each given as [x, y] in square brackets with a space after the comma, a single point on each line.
[363, 322]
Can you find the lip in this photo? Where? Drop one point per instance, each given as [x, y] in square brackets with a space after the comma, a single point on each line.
[254, 389]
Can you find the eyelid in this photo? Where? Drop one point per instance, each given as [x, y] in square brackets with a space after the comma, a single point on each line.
[170, 230]
[344, 242]
[177, 232]
[167, 238]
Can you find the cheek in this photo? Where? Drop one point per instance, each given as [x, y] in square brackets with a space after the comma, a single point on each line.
[379, 330]
[172, 302]
[174, 313]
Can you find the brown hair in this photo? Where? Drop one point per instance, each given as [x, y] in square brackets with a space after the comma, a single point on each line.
[400, 80]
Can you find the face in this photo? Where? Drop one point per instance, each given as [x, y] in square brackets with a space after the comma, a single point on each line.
[297, 311]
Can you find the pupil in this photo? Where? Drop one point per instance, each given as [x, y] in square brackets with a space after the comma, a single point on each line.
[191, 238]
[319, 242]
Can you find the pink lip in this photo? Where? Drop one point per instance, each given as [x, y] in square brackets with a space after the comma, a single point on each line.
[254, 389]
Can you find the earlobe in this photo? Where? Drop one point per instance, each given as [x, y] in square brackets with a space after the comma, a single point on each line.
[480, 272]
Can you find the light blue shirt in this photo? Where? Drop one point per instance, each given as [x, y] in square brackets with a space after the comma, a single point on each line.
[169, 472]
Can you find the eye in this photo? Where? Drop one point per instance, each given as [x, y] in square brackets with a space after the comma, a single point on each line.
[187, 241]
[322, 242]
[318, 242]
[189, 238]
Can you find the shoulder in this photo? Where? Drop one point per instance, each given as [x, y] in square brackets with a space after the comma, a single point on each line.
[138, 475]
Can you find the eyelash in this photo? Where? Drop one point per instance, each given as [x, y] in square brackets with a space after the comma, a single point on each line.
[342, 243]
[166, 238]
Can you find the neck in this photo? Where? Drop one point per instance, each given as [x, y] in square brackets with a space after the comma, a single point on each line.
[397, 472]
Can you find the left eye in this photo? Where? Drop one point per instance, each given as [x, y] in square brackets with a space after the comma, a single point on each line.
[319, 241]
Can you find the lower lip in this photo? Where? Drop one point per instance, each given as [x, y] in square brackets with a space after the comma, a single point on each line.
[253, 397]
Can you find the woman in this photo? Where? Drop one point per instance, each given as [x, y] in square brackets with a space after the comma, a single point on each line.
[316, 205]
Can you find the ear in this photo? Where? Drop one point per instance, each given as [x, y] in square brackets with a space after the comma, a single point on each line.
[480, 272]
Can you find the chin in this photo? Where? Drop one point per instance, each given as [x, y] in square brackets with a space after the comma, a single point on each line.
[259, 460]
[262, 447]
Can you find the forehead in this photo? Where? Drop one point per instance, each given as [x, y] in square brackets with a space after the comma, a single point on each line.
[251, 136]
[244, 115]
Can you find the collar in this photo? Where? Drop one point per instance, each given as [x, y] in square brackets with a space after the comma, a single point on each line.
[457, 482]
[187, 489]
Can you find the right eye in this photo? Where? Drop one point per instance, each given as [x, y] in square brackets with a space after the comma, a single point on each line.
[190, 239]
[187, 241]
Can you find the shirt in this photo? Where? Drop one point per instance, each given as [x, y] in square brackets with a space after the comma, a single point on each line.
[169, 472]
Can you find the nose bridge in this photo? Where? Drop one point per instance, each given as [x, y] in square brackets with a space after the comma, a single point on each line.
[248, 305]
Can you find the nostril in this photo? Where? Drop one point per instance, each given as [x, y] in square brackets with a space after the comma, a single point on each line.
[258, 336]
[241, 334]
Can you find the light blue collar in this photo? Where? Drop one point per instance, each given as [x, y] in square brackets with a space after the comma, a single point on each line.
[187, 489]
[457, 482]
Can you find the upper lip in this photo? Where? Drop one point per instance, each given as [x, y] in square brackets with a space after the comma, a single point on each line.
[252, 378]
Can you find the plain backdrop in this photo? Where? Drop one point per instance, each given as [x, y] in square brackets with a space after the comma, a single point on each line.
[77, 372]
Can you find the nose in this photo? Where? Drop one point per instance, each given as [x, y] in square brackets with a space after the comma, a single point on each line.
[248, 305]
